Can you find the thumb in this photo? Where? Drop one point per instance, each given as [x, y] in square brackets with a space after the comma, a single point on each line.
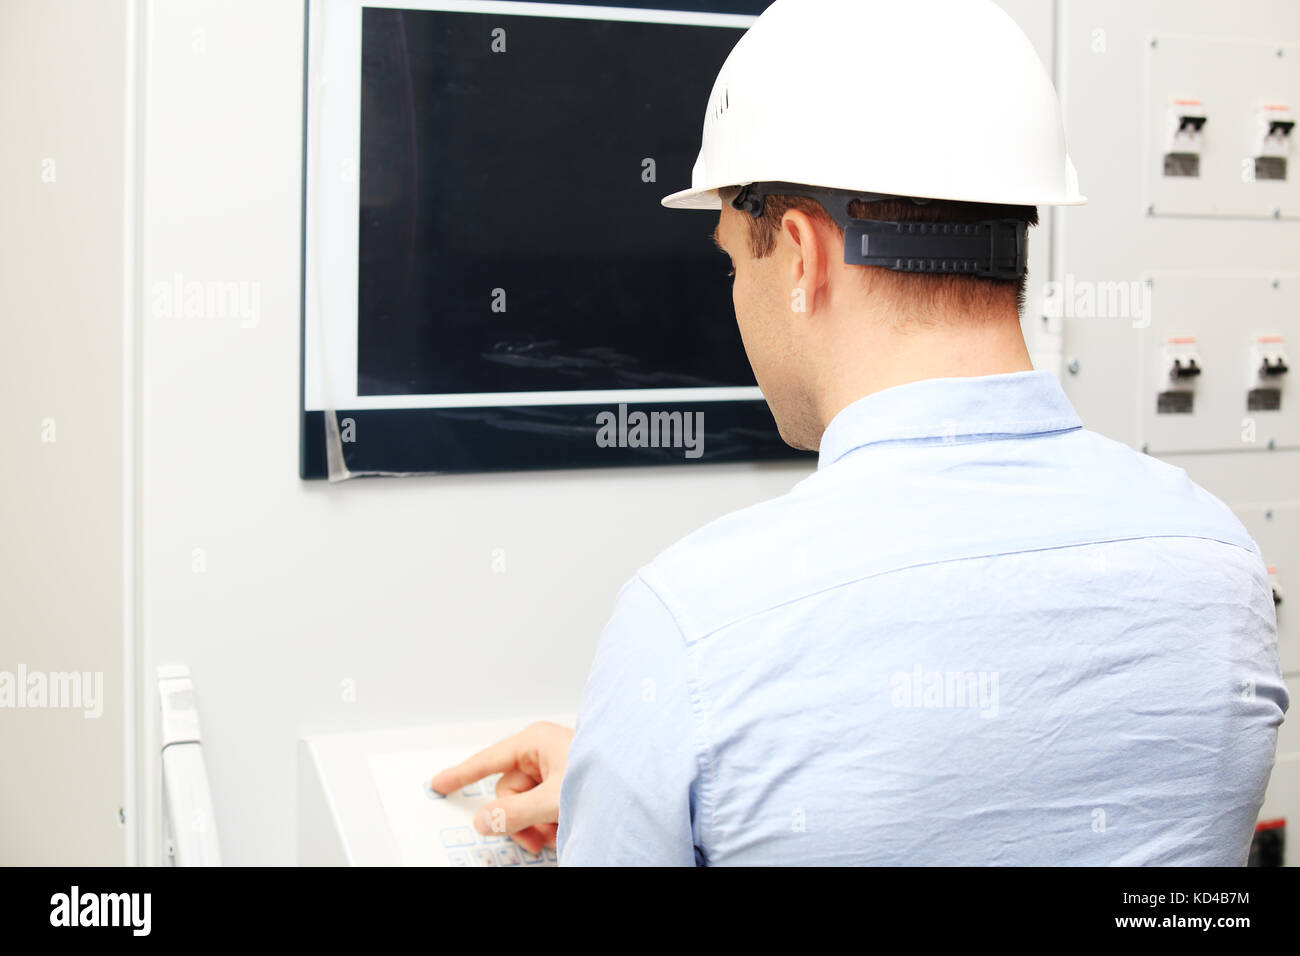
[510, 814]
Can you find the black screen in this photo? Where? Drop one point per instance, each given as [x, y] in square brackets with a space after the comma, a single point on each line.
[522, 170]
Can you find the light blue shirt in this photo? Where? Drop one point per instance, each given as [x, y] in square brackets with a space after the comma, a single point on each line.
[977, 634]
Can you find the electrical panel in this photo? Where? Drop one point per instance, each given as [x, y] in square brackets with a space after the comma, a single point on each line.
[1174, 317]
[1221, 128]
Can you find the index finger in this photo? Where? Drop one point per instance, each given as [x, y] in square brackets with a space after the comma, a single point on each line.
[501, 757]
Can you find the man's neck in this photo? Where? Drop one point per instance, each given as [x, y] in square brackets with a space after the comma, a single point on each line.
[951, 349]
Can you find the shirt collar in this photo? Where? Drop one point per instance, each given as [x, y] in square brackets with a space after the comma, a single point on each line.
[951, 410]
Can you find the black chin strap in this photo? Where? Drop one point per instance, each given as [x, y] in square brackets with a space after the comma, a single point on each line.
[990, 248]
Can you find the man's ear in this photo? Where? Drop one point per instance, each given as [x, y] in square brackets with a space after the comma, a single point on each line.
[809, 265]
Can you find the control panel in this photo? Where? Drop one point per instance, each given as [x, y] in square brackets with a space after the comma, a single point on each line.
[364, 799]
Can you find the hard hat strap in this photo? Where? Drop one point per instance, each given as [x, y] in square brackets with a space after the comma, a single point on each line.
[990, 248]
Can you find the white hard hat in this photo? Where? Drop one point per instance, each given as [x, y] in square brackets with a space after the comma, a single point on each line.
[938, 99]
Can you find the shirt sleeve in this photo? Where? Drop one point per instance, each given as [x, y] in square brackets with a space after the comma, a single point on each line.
[629, 790]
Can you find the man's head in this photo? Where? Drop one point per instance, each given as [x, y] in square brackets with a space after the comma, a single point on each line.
[796, 102]
[816, 328]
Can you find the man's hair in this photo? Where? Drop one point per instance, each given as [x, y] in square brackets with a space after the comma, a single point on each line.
[944, 292]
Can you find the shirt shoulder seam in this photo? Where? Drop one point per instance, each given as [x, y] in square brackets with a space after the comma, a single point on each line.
[731, 622]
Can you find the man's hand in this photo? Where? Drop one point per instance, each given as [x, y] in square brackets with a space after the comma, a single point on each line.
[527, 804]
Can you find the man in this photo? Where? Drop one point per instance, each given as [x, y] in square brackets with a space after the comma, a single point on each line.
[978, 634]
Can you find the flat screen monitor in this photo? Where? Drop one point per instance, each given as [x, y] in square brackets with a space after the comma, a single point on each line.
[490, 281]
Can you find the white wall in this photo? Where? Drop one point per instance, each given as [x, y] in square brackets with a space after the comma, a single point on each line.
[384, 582]
[279, 594]
[64, 580]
